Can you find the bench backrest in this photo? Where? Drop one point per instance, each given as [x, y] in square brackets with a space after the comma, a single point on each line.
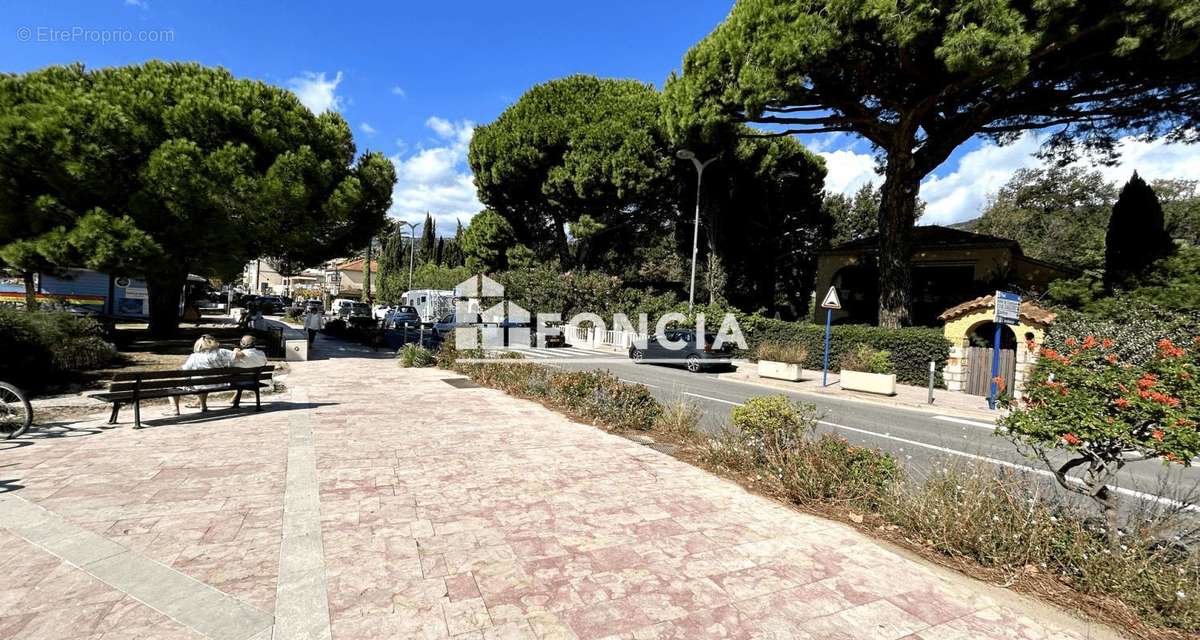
[148, 380]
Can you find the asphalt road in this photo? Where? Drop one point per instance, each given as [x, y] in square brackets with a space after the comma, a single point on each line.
[923, 440]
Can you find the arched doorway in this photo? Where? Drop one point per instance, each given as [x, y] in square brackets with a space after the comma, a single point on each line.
[979, 358]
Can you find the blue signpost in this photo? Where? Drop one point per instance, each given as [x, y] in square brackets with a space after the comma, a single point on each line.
[1008, 311]
[830, 303]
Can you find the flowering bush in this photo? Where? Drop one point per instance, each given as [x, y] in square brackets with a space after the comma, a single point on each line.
[1105, 412]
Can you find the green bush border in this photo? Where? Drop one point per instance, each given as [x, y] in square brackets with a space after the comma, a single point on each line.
[911, 348]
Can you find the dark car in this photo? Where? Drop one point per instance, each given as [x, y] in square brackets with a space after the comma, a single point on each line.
[696, 357]
[553, 335]
[270, 305]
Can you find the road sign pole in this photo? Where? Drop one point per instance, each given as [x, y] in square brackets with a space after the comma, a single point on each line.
[995, 366]
[825, 368]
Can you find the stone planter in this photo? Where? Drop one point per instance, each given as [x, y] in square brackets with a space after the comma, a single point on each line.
[881, 383]
[780, 370]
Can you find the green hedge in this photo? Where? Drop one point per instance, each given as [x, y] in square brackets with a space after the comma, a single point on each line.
[44, 347]
[911, 348]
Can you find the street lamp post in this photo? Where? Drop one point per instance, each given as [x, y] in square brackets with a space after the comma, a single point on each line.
[412, 247]
[684, 154]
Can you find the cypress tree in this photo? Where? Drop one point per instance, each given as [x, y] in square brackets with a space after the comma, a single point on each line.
[1136, 235]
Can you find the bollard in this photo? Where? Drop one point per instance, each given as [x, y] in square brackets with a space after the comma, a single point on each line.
[932, 370]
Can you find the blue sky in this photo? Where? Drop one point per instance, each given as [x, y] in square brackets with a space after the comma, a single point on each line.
[413, 78]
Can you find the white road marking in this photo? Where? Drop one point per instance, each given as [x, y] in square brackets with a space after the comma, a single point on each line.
[696, 395]
[972, 423]
[1011, 465]
[644, 384]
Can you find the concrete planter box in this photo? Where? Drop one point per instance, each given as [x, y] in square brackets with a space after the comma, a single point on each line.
[779, 370]
[881, 383]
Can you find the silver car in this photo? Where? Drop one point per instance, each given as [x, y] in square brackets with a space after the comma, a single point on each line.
[400, 316]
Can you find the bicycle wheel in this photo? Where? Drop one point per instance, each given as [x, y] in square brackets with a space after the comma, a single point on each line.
[16, 414]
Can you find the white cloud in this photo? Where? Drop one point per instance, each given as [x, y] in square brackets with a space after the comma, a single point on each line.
[399, 91]
[316, 92]
[847, 170]
[962, 194]
[436, 178]
[368, 129]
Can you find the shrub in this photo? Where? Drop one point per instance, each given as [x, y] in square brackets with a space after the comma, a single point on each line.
[414, 355]
[680, 419]
[911, 348]
[1103, 413]
[1134, 327]
[42, 347]
[335, 327]
[787, 352]
[867, 359]
[778, 436]
[594, 395]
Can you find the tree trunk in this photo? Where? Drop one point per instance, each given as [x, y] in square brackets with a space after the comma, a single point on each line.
[897, 214]
[1112, 522]
[31, 303]
[164, 297]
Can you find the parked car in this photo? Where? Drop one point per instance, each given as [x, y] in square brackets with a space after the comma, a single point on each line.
[270, 305]
[345, 309]
[311, 306]
[694, 356]
[401, 315]
[553, 337]
[381, 311]
[449, 323]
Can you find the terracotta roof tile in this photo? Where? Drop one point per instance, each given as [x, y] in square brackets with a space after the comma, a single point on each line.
[1029, 310]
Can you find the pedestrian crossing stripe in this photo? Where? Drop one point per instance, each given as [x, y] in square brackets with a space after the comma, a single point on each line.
[561, 352]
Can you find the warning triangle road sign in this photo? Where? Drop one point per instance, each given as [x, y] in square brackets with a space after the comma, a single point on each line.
[831, 300]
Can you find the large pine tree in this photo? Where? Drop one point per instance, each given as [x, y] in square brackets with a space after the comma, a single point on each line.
[1136, 234]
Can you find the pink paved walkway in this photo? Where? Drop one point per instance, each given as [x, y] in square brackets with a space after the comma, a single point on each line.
[449, 512]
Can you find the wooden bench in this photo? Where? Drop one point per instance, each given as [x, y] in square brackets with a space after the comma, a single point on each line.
[134, 386]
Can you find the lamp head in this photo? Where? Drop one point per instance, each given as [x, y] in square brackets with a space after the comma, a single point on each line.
[684, 154]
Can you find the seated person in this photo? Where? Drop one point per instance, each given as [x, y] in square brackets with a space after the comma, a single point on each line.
[206, 354]
[247, 356]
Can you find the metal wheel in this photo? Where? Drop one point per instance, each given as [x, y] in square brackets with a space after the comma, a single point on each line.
[638, 356]
[693, 363]
[16, 414]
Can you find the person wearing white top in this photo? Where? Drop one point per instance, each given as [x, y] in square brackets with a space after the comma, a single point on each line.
[247, 356]
[206, 354]
[312, 324]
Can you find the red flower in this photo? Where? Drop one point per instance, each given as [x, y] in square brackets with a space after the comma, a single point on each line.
[1157, 434]
[1147, 380]
[1071, 342]
[999, 380]
[1167, 349]
[1121, 402]
[1089, 342]
[1184, 422]
[1031, 345]
[1107, 343]
[1071, 439]
[1112, 358]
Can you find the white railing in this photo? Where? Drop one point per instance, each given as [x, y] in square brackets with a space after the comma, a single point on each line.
[588, 337]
